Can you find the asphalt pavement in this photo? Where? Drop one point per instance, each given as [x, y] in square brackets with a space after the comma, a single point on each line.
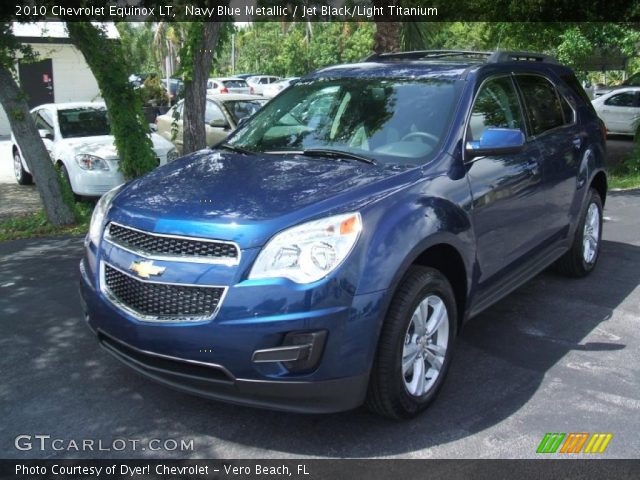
[557, 355]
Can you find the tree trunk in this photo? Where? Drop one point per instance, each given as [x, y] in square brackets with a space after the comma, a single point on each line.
[195, 88]
[387, 36]
[33, 150]
[107, 63]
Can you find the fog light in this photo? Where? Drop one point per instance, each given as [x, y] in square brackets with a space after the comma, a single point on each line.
[299, 352]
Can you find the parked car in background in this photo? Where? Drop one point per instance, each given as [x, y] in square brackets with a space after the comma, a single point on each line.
[244, 76]
[632, 81]
[222, 114]
[259, 82]
[275, 88]
[137, 79]
[175, 89]
[316, 261]
[620, 110]
[228, 85]
[78, 138]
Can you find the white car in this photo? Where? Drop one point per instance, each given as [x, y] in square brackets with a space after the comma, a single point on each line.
[78, 139]
[275, 88]
[620, 110]
[217, 86]
[259, 82]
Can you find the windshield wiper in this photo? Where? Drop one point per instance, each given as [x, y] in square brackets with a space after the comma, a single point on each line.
[233, 148]
[327, 152]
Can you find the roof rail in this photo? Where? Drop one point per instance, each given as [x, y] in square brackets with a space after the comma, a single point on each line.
[426, 54]
[509, 56]
[490, 57]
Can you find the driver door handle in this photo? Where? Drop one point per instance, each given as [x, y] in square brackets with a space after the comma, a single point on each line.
[577, 142]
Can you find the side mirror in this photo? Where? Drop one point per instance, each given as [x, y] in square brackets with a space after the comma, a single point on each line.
[46, 134]
[496, 141]
[219, 123]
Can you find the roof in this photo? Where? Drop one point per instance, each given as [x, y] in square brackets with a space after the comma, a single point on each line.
[69, 105]
[224, 79]
[398, 69]
[235, 96]
[451, 64]
[54, 30]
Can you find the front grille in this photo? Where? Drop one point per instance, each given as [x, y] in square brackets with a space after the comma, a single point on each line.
[160, 301]
[172, 246]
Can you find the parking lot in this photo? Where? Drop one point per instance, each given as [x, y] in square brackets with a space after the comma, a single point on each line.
[558, 355]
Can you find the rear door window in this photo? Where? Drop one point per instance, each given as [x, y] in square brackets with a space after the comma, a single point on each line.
[542, 101]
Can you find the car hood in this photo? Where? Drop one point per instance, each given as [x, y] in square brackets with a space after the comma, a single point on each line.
[104, 145]
[247, 198]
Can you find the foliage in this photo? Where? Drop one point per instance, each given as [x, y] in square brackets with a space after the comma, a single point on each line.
[293, 49]
[137, 40]
[36, 225]
[153, 92]
[106, 60]
[11, 49]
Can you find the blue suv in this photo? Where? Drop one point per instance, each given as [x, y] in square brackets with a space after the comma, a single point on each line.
[328, 252]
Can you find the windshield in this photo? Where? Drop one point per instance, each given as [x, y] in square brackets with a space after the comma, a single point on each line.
[387, 120]
[240, 109]
[84, 122]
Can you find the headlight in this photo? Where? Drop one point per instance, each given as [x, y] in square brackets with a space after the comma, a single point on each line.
[91, 162]
[308, 252]
[99, 213]
[172, 155]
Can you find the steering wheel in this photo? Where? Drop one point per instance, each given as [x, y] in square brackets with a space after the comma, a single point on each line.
[427, 136]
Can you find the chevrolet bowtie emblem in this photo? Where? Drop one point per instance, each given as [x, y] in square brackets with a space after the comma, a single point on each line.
[146, 269]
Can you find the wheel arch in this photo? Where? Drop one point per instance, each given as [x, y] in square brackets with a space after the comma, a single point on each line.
[600, 185]
[449, 261]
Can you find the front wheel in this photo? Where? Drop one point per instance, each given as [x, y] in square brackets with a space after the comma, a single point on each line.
[415, 345]
[581, 259]
[22, 176]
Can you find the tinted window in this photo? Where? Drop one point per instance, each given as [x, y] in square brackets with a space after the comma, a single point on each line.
[567, 111]
[83, 122]
[496, 106]
[43, 121]
[543, 104]
[213, 112]
[388, 120]
[625, 99]
[240, 109]
[235, 84]
[573, 84]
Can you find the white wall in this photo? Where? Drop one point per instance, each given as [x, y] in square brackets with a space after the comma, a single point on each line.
[72, 78]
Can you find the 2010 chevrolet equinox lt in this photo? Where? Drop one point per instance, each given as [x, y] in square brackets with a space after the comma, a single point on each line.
[327, 254]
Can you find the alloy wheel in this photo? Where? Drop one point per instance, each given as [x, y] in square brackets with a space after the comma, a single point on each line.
[425, 345]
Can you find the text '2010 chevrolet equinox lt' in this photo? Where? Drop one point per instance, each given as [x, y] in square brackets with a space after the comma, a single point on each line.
[327, 254]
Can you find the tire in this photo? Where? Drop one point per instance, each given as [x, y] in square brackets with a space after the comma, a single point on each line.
[581, 259]
[396, 391]
[65, 177]
[22, 176]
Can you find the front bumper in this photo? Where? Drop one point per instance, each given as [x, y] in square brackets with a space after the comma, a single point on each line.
[214, 358]
[89, 183]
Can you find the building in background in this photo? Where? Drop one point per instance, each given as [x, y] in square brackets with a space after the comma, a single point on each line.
[60, 75]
